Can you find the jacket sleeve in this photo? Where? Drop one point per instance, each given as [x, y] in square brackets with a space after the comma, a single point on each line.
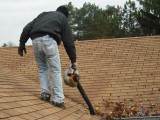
[26, 32]
[68, 41]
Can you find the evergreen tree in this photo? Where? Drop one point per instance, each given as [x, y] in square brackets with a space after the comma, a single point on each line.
[92, 22]
[130, 23]
[149, 17]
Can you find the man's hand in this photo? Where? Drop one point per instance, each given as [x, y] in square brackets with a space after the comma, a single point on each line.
[74, 66]
[22, 49]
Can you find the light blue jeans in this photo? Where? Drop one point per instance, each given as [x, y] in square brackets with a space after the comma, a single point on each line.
[47, 57]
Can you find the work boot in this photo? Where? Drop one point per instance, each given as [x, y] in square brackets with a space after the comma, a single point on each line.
[45, 96]
[60, 105]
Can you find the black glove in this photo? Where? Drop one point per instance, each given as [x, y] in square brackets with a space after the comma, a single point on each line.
[22, 49]
[74, 66]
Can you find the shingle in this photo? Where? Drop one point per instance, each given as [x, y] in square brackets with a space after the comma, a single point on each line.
[4, 115]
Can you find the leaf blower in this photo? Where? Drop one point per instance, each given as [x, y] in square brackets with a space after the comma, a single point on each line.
[71, 79]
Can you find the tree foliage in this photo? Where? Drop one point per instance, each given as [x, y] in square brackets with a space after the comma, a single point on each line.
[130, 24]
[92, 22]
[149, 17]
[8, 44]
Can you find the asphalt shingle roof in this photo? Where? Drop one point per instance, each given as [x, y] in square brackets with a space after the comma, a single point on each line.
[19, 100]
[120, 70]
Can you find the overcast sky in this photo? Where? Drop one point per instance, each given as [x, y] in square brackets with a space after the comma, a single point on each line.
[15, 14]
